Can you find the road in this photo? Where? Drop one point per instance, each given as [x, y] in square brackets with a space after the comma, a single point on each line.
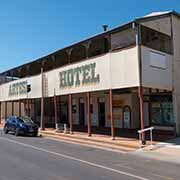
[29, 158]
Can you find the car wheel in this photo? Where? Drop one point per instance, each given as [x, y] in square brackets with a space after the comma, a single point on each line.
[5, 130]
[17, 132]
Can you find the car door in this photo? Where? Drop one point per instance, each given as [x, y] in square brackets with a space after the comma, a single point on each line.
[7, 124]
[13, 124]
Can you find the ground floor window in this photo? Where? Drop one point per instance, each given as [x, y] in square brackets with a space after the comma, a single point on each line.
[162, 110]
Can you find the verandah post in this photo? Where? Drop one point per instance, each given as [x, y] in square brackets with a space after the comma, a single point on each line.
[55, 109]
[12, 108]
[111, 114]
[141, 104]
[42, 101]
[88, 113]
[5, 110]
[70, 112]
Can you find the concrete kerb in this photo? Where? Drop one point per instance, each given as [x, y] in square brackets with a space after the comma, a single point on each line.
[91, 141]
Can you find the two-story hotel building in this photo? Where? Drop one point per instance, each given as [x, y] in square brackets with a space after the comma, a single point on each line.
[124, 78]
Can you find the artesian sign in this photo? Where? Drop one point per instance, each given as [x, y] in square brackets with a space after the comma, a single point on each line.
[81, 75]
[18, 88]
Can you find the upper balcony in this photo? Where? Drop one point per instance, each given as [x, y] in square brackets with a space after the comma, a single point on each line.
[114, 40]
[118, 38]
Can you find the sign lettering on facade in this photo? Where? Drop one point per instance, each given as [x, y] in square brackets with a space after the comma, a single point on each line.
[81, 75]
[18, 88]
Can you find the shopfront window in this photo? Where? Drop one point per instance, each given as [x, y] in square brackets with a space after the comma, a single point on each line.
[162, 110]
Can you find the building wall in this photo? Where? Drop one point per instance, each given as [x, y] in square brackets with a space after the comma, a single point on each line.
[94, 101]
[124, 68]
[115, 70]
[126, 100]
[135, 111]
[176, 70]
[167, 76]
[75, 101]
[156, 69]
[9, 110]
[162, 25]
[36, 92]
[130, 100]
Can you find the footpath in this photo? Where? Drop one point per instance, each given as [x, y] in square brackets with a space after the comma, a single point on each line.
[165, 151]
[96, 140]
[168, 151]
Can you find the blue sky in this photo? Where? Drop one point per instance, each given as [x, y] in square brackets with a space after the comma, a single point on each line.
[30, 29]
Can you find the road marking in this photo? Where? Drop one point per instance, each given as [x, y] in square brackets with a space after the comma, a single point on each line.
[76, 159]
[123, 166]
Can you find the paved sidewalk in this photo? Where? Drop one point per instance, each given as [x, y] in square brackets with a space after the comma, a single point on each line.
[103, 141]
[169, 151]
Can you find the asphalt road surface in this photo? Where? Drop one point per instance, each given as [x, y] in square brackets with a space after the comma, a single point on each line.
[29, 158]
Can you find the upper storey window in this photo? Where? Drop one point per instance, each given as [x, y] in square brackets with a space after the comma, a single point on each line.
[98, 46]
[123, 38]
[61, 59]
[156, 40]
[78, 53]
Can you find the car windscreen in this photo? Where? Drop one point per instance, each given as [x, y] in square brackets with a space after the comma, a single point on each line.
[25, 120]
[20, 120]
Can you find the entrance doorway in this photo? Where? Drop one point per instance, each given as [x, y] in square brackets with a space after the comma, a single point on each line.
[81, 112]
[64, 112]
[101, 112]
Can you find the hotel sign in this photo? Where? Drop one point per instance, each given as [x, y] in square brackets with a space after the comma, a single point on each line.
[79, 76]
[18, 88]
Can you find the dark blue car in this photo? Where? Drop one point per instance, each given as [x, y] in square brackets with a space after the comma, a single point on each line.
[20, 125]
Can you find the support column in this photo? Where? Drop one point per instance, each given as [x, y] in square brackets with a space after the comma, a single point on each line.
[12, 108]
[42, 115]
[25, 107]
[31, 110]
[55, 109]
[19, 107]
[70, 112]
[42, 101]
[140, 90]
[59, 108]
[5, 116]
[28, 109]
[111, 114]
[88, 113]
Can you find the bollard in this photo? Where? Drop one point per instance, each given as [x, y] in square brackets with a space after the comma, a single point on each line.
[57, 127]
[65, 129]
